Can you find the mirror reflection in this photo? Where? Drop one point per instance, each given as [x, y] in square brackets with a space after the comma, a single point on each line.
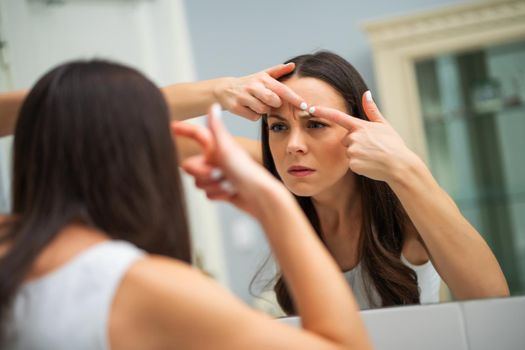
[473, 110]
[403, 229]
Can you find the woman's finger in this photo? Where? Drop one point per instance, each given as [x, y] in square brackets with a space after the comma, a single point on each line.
[265, 95]
[370, 107]
[254, 104]
[197, 166]
[285, 93]
[195, 132]
[207, 182]
[219, 132]
[209, 188]
[246, 113]
[346, 121]
[222, 190]
[281, 69]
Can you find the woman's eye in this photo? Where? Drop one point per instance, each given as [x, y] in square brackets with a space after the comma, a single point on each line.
[316, 125]
[278, 127]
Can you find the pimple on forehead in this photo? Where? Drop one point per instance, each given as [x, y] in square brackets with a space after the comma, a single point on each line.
[291, 115]
[297, 114]
[289, 111]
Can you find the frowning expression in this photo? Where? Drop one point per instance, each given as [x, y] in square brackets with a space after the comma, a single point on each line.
[307, 151]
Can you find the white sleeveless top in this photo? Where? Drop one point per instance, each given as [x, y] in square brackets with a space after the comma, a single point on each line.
[428, 281]
[69, 308]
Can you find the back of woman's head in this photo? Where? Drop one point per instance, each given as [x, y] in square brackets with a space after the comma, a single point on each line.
[92, 146]
[383, 217]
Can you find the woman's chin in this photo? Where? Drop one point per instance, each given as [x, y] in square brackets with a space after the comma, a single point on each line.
[302, 190]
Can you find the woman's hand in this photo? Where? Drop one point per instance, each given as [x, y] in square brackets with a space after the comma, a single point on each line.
[304, 261]
[374, 148]
[254, 95]
[224, 170]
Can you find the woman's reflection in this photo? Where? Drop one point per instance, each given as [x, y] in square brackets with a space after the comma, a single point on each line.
[373, 202]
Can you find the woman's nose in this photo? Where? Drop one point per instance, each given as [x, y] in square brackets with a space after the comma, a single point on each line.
[296, 143]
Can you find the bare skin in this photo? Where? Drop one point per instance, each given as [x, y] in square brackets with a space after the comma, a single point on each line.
[297, 138]
[163, 303]
[439, 231]
[338, 146]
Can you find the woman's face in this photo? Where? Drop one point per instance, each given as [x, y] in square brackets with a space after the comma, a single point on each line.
[307, 151]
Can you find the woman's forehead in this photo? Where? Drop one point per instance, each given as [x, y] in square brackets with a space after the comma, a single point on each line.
[315, 92]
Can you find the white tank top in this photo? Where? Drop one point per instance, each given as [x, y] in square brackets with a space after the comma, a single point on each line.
[428, 281]
[69, 308]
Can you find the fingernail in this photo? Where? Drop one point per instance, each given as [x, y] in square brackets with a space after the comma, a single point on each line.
[311, 110]
[303, 106]
[216, 110]
[216, 174]
[227, 186]
[368, 96]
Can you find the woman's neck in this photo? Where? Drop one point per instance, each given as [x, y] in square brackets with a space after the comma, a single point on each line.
[339, 208]
[340, 217]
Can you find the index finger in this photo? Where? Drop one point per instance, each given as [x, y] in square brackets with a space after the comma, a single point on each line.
[281, 69]
[286, 93]
[346, 121]
[195, 132]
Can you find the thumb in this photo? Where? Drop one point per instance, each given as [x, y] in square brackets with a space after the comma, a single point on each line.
[281, 69]
[221, 135]
[370, 107]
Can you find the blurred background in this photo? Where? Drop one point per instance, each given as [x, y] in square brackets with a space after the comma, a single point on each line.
[452, 82]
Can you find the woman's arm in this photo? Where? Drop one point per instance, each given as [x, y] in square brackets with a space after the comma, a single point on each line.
[248, 96]
[163, 304]
[11, 102]
[459, 253]
[175, 306]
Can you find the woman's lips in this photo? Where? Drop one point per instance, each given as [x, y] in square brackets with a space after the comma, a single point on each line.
[300, 171]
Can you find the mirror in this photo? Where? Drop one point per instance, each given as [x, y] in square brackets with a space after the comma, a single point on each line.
[473, 107]
[174, 41]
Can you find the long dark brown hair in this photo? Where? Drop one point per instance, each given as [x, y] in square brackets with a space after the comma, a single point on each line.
[383, 218]
[92, 146]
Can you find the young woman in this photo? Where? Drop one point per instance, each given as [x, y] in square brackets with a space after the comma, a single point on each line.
[372, 201]
[95, 252]
[392, 230]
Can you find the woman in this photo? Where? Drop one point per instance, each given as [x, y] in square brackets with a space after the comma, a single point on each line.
[372, 201]
[95, 254]
[392, 230]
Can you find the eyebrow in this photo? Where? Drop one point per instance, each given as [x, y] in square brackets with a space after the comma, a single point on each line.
[304, 116]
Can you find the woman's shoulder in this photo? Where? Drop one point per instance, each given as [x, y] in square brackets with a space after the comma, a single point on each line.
[158, 281]
[161, 301]
[152, 271]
